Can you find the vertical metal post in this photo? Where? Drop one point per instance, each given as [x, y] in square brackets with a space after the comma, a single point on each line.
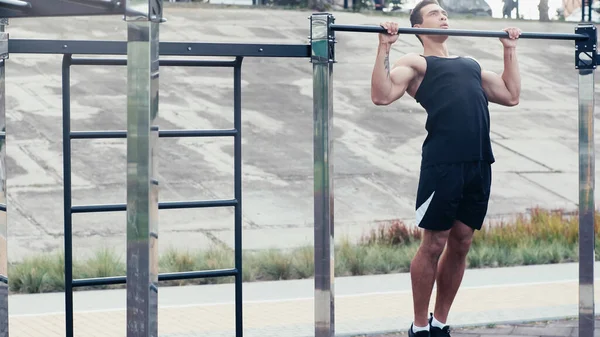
[237, 121]
[3, 176]
[67, 196]
[586, 202]
[322, 58]
[142, 185]
[586, 58]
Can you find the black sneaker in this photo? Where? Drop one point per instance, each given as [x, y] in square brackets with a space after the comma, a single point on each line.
[423, 333]
[437, 332]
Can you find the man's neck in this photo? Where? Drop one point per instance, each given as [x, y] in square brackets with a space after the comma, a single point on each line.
[435, 49]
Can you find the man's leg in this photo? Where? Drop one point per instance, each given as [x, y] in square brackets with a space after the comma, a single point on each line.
[470, 216]
[451, 269]
[423, 272]
[438, 197]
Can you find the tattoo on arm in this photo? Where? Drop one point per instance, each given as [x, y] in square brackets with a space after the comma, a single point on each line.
[387, 64]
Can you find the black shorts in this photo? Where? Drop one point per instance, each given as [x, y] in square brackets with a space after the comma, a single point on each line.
[449, 192]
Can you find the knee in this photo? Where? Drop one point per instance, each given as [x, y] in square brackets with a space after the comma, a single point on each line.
[460, 245]
[434, 247]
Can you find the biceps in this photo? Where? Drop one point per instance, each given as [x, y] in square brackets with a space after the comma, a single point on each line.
[401, 77]
[494, 87]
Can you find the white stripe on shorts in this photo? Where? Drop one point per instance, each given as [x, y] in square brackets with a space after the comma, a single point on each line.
[423, 208]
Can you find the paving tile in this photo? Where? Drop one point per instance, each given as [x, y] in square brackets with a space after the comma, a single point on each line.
[509, 335]
[503, 330]
[575, 332]
[465, 333]
[355, 316]
[565, 323]
[543, 331]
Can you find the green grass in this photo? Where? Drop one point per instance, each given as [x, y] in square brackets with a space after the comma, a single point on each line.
[542, 237]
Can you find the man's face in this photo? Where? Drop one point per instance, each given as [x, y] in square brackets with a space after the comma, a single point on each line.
[434, 17]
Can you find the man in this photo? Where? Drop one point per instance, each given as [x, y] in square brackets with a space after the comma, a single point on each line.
[455, 178]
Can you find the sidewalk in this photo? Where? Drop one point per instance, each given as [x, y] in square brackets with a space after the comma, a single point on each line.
[555, 328]
[364, 305]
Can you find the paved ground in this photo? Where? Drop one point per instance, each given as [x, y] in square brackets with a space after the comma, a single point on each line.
[376, 152]
[558, 328]
[363, 305]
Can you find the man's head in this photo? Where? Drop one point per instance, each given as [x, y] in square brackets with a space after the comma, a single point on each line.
[429, 14]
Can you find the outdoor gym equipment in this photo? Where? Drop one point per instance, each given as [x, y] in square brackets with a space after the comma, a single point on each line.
[143, 49]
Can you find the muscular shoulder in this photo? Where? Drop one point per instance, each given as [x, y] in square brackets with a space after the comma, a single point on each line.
[412, 60]
[409, 59]
[474, 60]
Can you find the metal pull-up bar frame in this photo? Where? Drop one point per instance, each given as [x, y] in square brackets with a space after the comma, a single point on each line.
[458, 32]
[142, 50]
[322, 39]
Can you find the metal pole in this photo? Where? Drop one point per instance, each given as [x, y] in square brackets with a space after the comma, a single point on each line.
[586, 59]
[322, 58]
[142, 186]
[586, 203]
[3, 176]
[237, 160]
[458, 32]
[67, 194]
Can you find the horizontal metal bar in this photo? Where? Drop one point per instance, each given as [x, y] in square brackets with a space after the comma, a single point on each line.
[162, 134]
[84, 47]
[101, 281]
[15, 4]
[98, 208]
[197, 274]
[98, 281]
[161, 205]
[98, 134]
[58, 8]
[458, 32]
[197, 204]
[168, 63]
[197, 133]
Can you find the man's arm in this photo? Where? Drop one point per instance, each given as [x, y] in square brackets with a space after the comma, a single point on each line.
[505, 89]
[387, 84]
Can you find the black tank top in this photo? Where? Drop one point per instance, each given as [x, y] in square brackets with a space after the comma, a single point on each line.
[458, 119]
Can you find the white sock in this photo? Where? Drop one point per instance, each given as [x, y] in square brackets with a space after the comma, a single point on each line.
[437, 324]
[418, 328]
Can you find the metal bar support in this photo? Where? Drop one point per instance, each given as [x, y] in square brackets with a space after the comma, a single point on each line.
[237, 166]
[98, 281]
[322, 58]
[3, 176]
[47, 8]
[161, 134]
[67, 196]
[162, 63]
[83, 47]
[161, 205]
[585, 61]
[142, 186]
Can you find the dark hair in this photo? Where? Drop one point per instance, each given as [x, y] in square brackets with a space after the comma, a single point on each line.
[415, 15]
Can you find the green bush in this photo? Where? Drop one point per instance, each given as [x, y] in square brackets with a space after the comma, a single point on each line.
[541, 237]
